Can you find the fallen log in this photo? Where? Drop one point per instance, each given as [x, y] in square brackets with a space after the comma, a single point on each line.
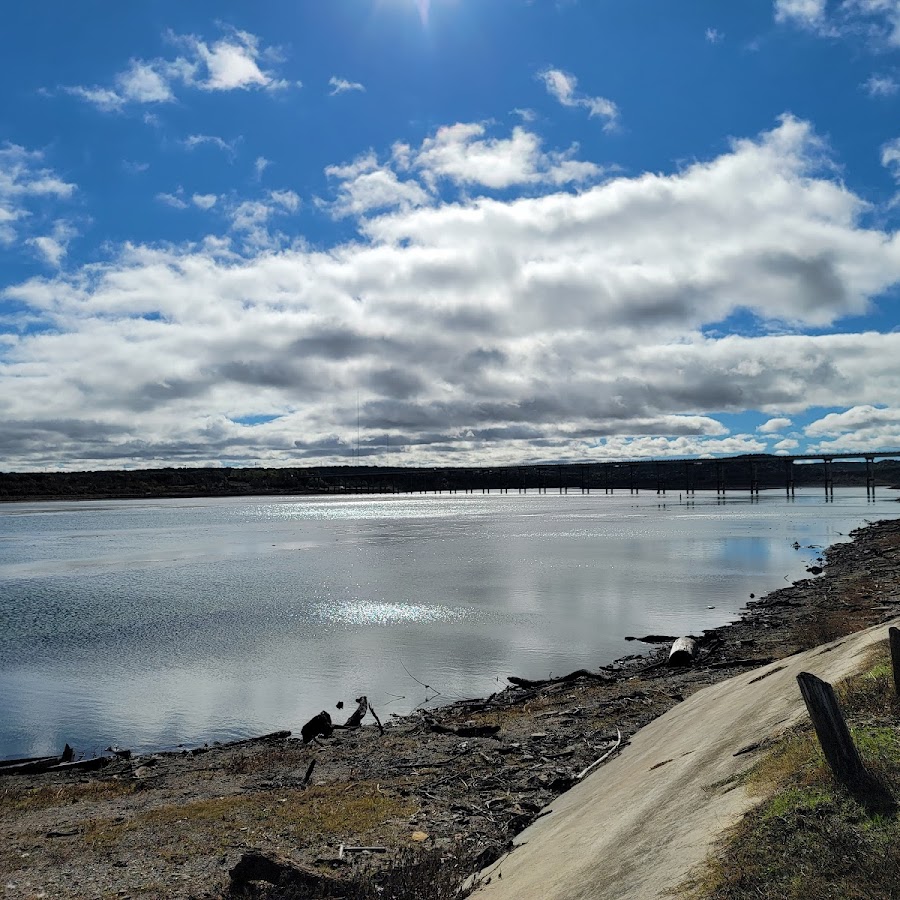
[653, 639]
[683, 652]
[254, 866]
[465, 730]
[30, 766]
[82, 765]
[263, 738]
[572, 676]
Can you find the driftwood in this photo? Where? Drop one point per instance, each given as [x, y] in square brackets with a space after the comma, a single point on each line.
[82, 765]
[572, 676]
[29, 766]
[653, 639]
[309, 772]
[356, 719]
[263, 738]
[306, 882]
[377, 720]
[832, 731]
[465, 730]
[585, 771]
[317, 725]
[683, 652]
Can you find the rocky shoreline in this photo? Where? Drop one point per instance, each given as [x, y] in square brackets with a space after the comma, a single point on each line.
[229, 820]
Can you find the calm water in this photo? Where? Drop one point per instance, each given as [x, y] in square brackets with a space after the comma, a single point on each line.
[150, 624]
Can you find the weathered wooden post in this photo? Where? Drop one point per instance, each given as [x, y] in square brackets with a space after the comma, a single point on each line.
[832, 731]
[894, 640]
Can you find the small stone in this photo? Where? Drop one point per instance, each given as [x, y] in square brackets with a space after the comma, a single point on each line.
[419, 836]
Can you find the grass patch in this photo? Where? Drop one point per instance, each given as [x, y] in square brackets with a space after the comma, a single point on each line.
[50, 795]
[339, 810]
[810, 838]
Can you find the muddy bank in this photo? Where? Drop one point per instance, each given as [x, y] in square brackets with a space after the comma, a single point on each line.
[464, 778]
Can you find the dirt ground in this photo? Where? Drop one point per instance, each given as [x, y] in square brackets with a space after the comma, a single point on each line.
[465, 778]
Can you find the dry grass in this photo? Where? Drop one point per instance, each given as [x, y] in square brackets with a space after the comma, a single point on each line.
[338, 809]
[48, 796]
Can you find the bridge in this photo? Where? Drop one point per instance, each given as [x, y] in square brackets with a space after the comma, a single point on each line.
[749, 472]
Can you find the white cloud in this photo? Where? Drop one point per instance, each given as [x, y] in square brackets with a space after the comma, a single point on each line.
[809, 13]
[199, 140]
[859, 428]
[881, 86]
[230, 63]
[260, 166]
[53, 247]
[462, 154]
[714, 36]
[25, 186]
[252, 217]
[367, 186]
[204, 201]
[786, 446]
[176, 200]
[875, 22]
[564, 87]
[890, 157]
[342, 86]
[565, 325]
[774, 425]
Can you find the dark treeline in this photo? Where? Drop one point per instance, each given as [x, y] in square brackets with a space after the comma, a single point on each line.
[734, 473]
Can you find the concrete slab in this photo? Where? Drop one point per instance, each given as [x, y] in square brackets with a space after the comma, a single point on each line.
[636, 827]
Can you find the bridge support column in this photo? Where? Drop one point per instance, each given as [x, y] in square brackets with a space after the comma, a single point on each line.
[631, 482]
[789, 477]
[870, 477]
[660, 481]
[720, 479]
[829, 479]
[754, 478]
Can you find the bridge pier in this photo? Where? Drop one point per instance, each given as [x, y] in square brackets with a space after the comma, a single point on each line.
[689, 479]
[829, 479]
[720, 479]
[870, 477]
[631, 482]
[789, 477]
[754, 478]
[660, 481]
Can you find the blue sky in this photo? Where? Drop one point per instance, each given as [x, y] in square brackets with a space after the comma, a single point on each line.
[473, 231]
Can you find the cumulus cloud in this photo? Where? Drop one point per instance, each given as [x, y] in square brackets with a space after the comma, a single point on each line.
[564, 87]
[342, 86]
[26, 184]
[875, 22]
[714, 36]
[881, 86]
[205, 201]
[774, 425]
[559, 325]
[809, 13]
[233, 62]
[461, 156]
[54, 246]
[859, 428]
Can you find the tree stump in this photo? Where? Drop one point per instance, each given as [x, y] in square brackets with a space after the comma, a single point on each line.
[832, 731]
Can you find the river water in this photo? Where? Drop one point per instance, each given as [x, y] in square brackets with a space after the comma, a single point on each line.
[150, 624]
